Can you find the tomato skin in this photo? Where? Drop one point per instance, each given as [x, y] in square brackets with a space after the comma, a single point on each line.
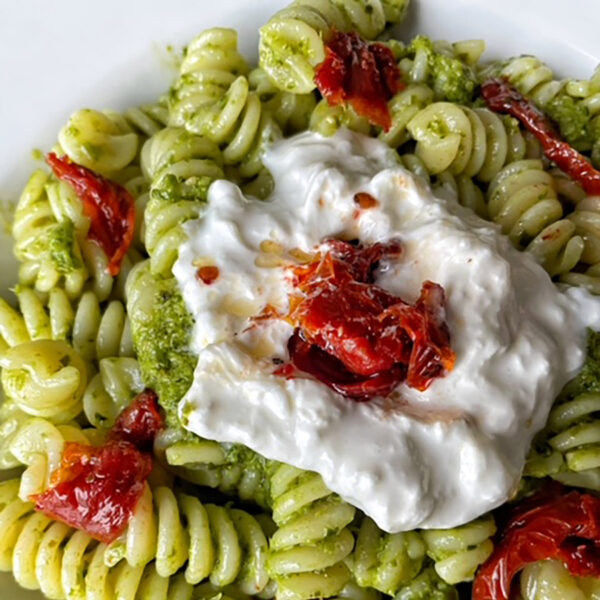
[363, 74]
[502, 97]
[140, 422]
[96, 488]
[553, 524]
[110, 207]
[357, 338]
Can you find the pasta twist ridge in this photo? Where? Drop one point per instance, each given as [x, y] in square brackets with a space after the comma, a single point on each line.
[49, 252]
[459, 551]
[308, 550]
[176, 531]
[235, 470]
[38, 445]
[66, 564]
[552, 580]
[523, 200]
[386, 561]
[470, 142]
[44, 378]
[568, 449]
[586, 220]
[181, 167]
[214, 98]
[99, 141]
[111, 390]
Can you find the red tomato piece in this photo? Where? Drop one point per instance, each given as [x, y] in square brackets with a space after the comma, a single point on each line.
[97, 489]
[357, 338]
[502, 97]
[140, 422]
[110, 207]
[553, 524]
[362, 74]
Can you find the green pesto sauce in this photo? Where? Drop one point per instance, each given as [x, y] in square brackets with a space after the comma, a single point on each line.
[427, 586]
[162, 344]
[588, 379]
[573, 120]
[172, 189]
[61, 247]
[449, 77]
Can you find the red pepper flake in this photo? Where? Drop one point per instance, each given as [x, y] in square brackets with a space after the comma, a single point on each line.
[208, 274]
[502, 97]
[365, 200]
[357, 338]
[96, 489]
[110, 207]
[553, 524]
[362, 74]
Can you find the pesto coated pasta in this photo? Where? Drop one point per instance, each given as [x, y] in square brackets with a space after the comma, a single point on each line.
[218, 520]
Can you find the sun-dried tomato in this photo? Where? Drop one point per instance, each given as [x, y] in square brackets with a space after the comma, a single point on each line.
[97, 488]
[140, 422]
[110, 207]
[554, 524]
[358, 338]
[365, 75]
[502, 97]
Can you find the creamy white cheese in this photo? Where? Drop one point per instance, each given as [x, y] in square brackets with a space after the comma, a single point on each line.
[437, 458]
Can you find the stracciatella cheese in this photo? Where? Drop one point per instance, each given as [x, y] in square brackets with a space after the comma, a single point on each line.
[436, 458]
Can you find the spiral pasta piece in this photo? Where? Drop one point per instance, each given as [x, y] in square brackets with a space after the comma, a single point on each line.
[95, 331]
[111, 390]
[48, 251]
[291, 43]
[385, 561]
[213, 98]
[44, 378]
[177, 531]
[233, 469]
[428, 584]
[181, 167]
[307, 552]
[211, 63]
[291, 112]
[568, 449]
[551, 580]
[50, 233]
[473, 142]
[66, 564]
[147, 119]
[38, 445]
[11, 420]
[458, 552]
[97, 141]
[327, 120]
[522, 199]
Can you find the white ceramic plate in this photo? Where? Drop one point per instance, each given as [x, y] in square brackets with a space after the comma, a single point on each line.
[58, 56]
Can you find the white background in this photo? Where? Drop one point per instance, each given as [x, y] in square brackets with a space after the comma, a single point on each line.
[62, 55]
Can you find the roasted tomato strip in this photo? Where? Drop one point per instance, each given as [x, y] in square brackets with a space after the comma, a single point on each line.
[96, 489]
[362, 74]
[357, 338]
[110, 207]
[552, 525]
[501, 97]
